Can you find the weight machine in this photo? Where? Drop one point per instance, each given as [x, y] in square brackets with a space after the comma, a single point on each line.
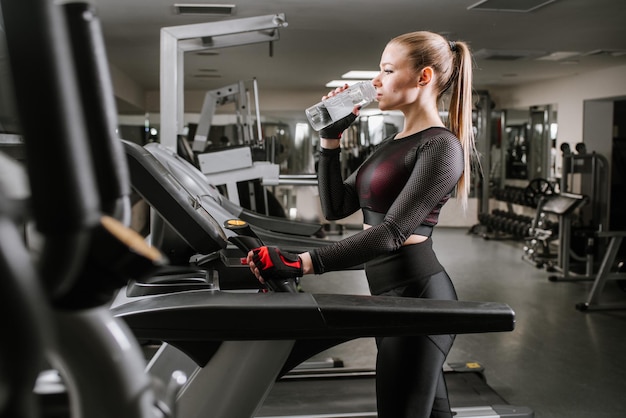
[176, 40]
[585, 175]
[541, 235]
[582, 210]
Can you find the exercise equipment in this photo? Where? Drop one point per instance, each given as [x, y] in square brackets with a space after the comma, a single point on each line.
[542, 233]
[85, 254]
[537, 189]
[228, 347]
[593, 301]
[507, 224]
[351, 393]
[582, 217]
[176, 40]
[21, 296]
[195, 181]
[194, 238]
[586, 173]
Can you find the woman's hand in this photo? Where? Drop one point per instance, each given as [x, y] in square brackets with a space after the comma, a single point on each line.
[335, 129]
[270, 263]
[336, 91]
[331, 134]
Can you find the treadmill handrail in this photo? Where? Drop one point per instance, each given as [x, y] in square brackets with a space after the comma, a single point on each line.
[221, 316]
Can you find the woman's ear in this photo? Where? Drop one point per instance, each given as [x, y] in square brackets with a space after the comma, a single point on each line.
[425, 76]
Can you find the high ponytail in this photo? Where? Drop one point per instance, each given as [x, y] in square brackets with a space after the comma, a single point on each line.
[460, 112]
[452, 61]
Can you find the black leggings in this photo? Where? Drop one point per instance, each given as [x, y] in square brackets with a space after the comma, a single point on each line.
[409, 370]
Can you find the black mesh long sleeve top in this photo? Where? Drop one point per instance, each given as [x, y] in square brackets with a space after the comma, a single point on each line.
[400, 188]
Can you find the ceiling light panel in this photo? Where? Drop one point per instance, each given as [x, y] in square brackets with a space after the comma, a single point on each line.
[506, 55]
[517, 6]
[341, 83]
[558, 56]
[204, 9]
[361, 74]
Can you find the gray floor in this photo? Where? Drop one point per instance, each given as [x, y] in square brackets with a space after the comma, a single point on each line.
[560, 362]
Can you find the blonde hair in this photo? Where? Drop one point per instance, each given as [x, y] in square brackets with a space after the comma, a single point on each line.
[452, 62]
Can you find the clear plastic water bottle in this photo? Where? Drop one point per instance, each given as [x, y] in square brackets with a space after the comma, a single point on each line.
[336, 107]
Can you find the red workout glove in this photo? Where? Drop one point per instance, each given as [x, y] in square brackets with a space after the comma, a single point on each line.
[335, 129]
[274, 264]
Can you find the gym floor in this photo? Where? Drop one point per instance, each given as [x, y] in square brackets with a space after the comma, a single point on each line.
[559, 362]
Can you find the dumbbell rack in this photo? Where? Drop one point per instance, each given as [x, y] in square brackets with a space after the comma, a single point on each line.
[505, 224]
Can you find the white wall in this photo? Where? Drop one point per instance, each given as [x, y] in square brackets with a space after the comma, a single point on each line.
[568, 94]
[127, 91]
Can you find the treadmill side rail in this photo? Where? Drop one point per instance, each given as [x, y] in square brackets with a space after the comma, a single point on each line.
[219, 316]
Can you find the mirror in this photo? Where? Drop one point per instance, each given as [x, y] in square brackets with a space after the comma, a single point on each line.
[529, 143]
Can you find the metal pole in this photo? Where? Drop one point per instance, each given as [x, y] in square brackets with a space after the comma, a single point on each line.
[258, 111]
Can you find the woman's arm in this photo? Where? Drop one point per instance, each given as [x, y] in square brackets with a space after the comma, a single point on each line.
[338, 197]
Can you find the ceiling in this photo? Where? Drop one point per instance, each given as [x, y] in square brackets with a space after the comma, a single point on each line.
[326, 38]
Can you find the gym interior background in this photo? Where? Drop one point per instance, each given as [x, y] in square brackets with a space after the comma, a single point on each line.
[544, 228]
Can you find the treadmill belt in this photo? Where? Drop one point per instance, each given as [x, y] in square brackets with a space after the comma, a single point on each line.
[349, 394]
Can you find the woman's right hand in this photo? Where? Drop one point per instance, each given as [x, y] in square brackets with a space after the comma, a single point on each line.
[335, 129]
[331, 134]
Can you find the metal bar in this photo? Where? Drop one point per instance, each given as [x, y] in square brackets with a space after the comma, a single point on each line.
[207, 29]
[593, 300]
[171, 82]
[258, 112]
[297, 182]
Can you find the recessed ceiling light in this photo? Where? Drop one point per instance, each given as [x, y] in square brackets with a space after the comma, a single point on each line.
[204, 9]
[609, 52]
[518, 6]
[361, 74]
[506, 55]
[341, 83]
[558, 56]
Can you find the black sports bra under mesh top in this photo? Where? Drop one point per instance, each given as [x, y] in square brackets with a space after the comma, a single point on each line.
[401, 189]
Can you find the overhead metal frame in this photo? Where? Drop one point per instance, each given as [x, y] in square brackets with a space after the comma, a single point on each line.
[176, 40]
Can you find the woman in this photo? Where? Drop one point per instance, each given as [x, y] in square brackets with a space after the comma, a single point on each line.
[401, 189]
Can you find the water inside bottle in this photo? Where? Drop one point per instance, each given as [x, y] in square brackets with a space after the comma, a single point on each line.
[336, 107]
[318, 117]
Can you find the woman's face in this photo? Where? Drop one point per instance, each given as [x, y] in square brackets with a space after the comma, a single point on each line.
[397, 82]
